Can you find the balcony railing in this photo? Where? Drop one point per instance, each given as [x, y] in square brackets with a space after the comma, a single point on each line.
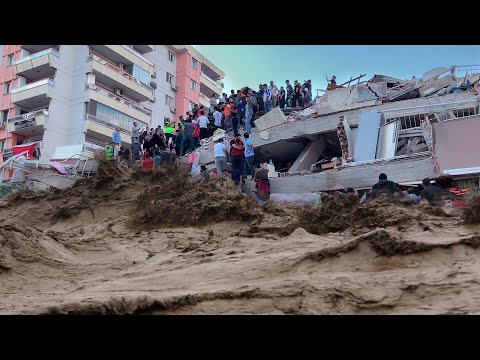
[38, 54]
[210, 79]
[33, 85]
[107, 123]
[122, 100]
[90, 146]
[138, 54]
[28, 115]
[115, 68]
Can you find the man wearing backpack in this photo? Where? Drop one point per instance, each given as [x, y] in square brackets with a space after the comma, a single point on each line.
[195, 134]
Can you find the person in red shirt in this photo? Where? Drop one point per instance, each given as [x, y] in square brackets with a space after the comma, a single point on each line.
[147, 162]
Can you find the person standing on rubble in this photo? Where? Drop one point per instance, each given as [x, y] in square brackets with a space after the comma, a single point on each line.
[332, 80]
[434, 194]
[136, 151]
[289, 88]
[267, 98]
[237, 159]
[249, 156]
[220, 154]
[109, 151]
[248, 114]
[187, 139]
[274, 91]
[261, 105]
[281, 98]
[116, 136]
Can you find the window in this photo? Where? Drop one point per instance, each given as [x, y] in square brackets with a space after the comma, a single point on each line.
[193, 85]
[168, 101]
[10, 60]
[194, 63]
[190, 106]
[2, 145]
[6, 88]
[142, 75]
[171, 57]
[115, 117]
[4, 116]
[169, 78]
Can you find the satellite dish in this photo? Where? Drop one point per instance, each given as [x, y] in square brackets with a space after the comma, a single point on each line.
[153, 85]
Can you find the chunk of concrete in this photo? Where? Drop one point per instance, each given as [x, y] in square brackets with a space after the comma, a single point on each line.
[308, 156]
[265, 135]
[436, 85]
[435, 73]
[273, 118]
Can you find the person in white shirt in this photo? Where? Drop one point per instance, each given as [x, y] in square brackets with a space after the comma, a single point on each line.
[202, 122]
[213, 103]
[274, 90]
[267, 98]
[217, 115]
[220, 153]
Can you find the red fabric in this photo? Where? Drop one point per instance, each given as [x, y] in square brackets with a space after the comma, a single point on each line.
[147, 164]
[21, 148]
[263, 189]
[196, 131]
[236, 152]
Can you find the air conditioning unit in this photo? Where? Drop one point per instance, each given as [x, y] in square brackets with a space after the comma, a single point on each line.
[174, 87]
[154, 75]
[173, 110]
[119, 92]
[122, 66]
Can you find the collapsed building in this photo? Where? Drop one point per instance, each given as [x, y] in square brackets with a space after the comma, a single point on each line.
[408, 129]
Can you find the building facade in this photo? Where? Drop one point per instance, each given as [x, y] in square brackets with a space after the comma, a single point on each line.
[59, 95]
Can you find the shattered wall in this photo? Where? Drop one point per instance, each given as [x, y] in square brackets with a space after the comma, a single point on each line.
[456, 144]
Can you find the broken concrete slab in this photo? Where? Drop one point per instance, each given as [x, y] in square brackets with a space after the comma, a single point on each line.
[309, 155]
[273, 118]
[435, 73]
[372, 91]
[436, 85]
[367, 136]
[410, 92]
[356, 176]
[342, 100]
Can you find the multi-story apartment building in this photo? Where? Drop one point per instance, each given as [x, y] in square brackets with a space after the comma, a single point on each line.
[60, 95]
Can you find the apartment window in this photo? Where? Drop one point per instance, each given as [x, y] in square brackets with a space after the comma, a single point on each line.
[169, 78]
[168, 101]
[194, 63]
[115, 117]
[171, 57]
[193, 85]
[4, 116]
[142, 75]
[2, 145]
[6, 88]
[10, 60]
[190, 106]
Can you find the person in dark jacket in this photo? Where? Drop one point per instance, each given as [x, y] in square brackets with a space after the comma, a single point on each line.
[178, 141]
[384, 186]
[434, 194]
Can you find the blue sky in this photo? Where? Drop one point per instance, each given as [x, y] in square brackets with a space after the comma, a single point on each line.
[253, 64]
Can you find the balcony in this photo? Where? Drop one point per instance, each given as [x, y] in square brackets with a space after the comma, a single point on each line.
[125, 55]
[203, 100]
[34, 95]
[37, 66]
[36, 48]
[119, 103]
[111, 75]
[101, 131]
[28, 125]
[144, 48]
[209, 86]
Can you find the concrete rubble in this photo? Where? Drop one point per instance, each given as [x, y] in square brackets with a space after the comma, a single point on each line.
[351, 134]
